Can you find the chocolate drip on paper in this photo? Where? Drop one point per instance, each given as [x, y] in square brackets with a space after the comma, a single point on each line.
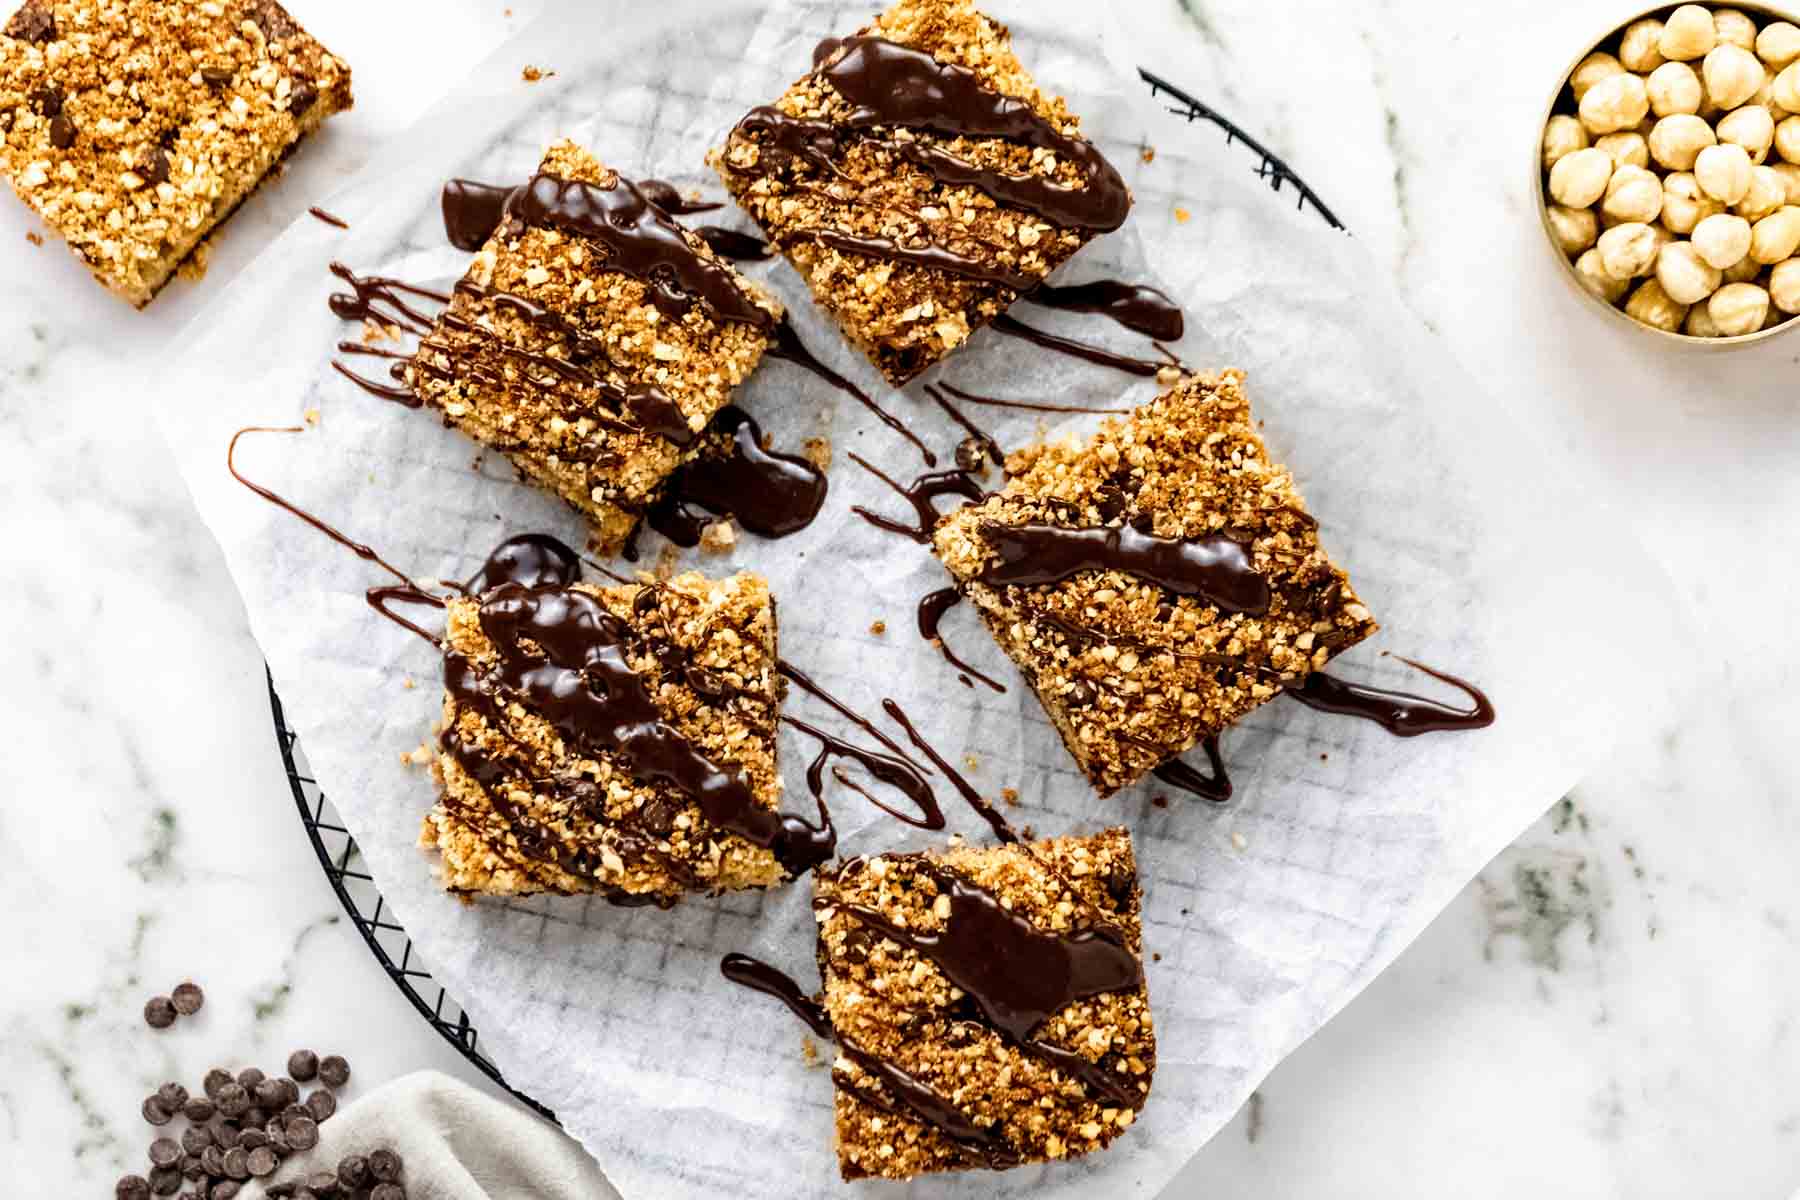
[897, 773]
[473, 210]
[666, 197]
[771, 494]
[986, 811]
[328, 218]
[786, 344]
[383, 300]
[978, 445]
[1138, 307]
[1011, 326]
[932, 607]
[1030, 405]
[759, 976]
[920, 493]
[1400, 713]
[1179, 774]
[1212, 567]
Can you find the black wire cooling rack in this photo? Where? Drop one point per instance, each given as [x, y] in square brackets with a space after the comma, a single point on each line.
[337, 850]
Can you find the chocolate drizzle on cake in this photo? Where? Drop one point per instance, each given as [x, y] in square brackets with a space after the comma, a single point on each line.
[1178, 774]
[932, 607]
[1212, 567]
[730, 243]
[921, 493]
[666, 197]
[530, 560]
[472, 211]
[771, 494]
[1400, 713]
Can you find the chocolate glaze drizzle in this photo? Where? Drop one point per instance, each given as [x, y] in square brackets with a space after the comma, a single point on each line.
[1400, 713]
[472, 211]
[978, 445]
[1011, 326]
[729, 243]
[530, 560]
[1212, 567]
[771, 494]
[1003, 830]
[1138, 307]
[759, 976]
[382, 299]
[328, 218]
[1031, 405]
[666, 197]
[786, 344]
[932, 608]
[898, 774]
[920, 493]
[1178, 774]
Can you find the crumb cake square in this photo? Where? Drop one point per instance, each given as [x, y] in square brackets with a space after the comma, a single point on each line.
[591, 341]
[989, 1004]
[1156, 583]
[920, 181]
[135, 127]
[580, 724]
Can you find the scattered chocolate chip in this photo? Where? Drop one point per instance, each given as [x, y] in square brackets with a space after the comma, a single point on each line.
[159, 1012]
[272, 19]
[302, 98]
[48, 101]
[334, 1071]
[215, 77]
[165, 1181]
[280, 1191]
[323, 1182]
[290, 1092]
[384, 1165]
[353, 1171]
[32, 23]
[387, 1191]
[321, 1104]
[1119, 885]
[969, 453]
[199, 1110]
[302, 1133]
[215, 1079]
[62, 132]
[225, 1189]
[187, 997]
[233, 1099]
[262, 1162]
[250, 1139]
[278, 1139]
[173, 1096]
[306, 1193]
[270, 1094]
[212, 1159]
[227, 1133]
[303, 1065]
[295, 1110]
[154, 167]
[237, 1163]
[196, 1138]
[131, 1187]
[155, 1113]
[249, 1077]
[254, 1118]
[192, 1168]
[165, 1152]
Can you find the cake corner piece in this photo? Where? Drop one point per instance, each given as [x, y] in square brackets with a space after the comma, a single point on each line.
[945, 1063]
[136, 179]
[1195, 588]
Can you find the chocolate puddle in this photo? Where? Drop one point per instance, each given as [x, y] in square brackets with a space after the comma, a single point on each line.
[771, 494]
[1400, 713]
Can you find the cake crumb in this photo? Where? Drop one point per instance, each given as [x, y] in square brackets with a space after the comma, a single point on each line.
[817, 451]
[1147, 154]
[971, 763]
[809, 1050]
[532, 74]
[878, 627]
[35, 238]
[1182, 215]
[408, 684]
[312, 416]
[1239, 841]
[1011, 796]
[1159, 802]
[718, 537]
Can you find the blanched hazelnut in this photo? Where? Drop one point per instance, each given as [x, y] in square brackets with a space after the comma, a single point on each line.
[1734, 28]
[1591, 70]
[1652, 306]
[1595, 278]
[1731, 74]
[1787, 139]
[1632, 194]
[1684, 275]
[1616, 102]
[1784, 286]
[1684, 204]
[1767, 193]
[1628, 250]
[1778, 44]
[1638, 47]
[1722, 239]
[1574, 228]
[1776, 237]
[1674, 88]
[1699, 323]
[1677, 140]
[1723, 172]
[1786, 89]
[1750, 127]
[1745, 270]
[1579, 179]
[1563, 135]
[1625, 149]
[1738, 308]
[1790, 179]
[1689, 33]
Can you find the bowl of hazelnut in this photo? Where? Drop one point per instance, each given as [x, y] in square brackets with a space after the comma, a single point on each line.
[1668, 173]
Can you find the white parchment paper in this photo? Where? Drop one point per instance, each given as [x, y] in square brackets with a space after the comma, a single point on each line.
[1472, 543]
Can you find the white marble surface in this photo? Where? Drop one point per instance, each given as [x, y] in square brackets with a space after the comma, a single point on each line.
[1606, 1012]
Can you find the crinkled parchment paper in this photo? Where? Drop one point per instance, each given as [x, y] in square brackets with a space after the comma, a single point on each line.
[1472, 543]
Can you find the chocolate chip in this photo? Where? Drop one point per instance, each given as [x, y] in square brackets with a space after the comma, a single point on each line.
[225, 1189]
[154, 167]
[32, 23]
[384, 1164]
[278, 1139]
[249, 1077]
[254, 1118]
[302, 1132]
[1081, 694]
[165, 1152]
[252, 1138]
[215, 77]
[227, 1133]
[154, 1111]
[321, 1104]
[237, 1163]
[187, 996]
[270, 1094]
[215, 1079]
[159, 1012]
[280, 1191]
[273, 20]
[353, 1171]
[1120, 884]
[199, 1110]
[131, 1187]
[970, 452]
[233, 1099]
[323, 1182]
[192, 1168]
[290, 1092]
[302, 98]
[196, 1138]
[165, 1181]
[306, 1193]
[173, 1096]
[334, 1071]
[213, 1160]
[262, 1162]
[62, 136]
[295, 1110]
[387, 1191]
[48, 101]
[303, 1065]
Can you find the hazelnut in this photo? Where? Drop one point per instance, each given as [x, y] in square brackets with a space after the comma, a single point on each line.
[1745, 270]
[1616, 102]
[1684, 204]
[1689, 33]
[1778, 44]
[1574, 228]
[1677, 140]
[1594, 277]
[1722, 239]
[1784, 286]
[1734, 28]
[1684, 275]
[1787, 139]
[1628, 250]
[1767, 193]
[1785, 91]
[1790, 178]
[1723, 172]
[1732, 75]
[1579, 179]
[1750, 127]
[1674, 88]
[1637, 48]
[1700, 323]
[1738, 308]
[1625, 149]
[1776, 237]
[1651, 306]
[1563, 136]
[1591, 70]
[1633, 194]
